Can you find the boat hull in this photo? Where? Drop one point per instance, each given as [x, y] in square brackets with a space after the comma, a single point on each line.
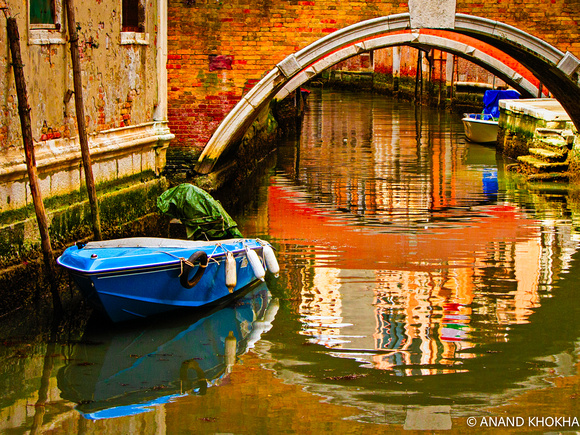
[480, 130]
[140, 281]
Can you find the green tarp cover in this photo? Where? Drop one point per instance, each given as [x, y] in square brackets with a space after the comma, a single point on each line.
[203, 216]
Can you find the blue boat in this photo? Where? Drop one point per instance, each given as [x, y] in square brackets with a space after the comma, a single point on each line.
[134, 278]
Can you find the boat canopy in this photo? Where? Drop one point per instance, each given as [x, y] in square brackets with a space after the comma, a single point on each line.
[491, 100]
[203, 216]
[154, 243]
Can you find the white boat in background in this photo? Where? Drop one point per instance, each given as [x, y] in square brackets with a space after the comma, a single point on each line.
[480, 128]
[483, 127]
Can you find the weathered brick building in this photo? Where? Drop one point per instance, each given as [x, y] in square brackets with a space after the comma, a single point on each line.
[122, 51]
[217, 50]
[123, 76]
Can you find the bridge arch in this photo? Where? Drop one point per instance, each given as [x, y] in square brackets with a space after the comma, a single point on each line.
[417, 40]
[552, 67]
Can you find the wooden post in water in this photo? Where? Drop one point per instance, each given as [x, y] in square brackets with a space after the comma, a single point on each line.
[26, 126]
[80, 111]
[440, 78]
[429, 59]
[419, 77]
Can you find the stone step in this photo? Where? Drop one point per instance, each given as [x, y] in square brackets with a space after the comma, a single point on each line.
[554, 139]
[557, 177]
[549, 155]
[533, 165]
[551, 144]
[542, 177]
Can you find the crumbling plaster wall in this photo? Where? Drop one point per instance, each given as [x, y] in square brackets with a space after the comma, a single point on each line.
[120, 90]
[113, 74]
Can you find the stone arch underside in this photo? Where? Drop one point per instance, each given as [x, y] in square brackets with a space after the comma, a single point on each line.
[420, 41]
[557, 70]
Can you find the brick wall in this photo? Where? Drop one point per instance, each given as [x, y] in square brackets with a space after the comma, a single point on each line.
[555, 21]
[218, 49]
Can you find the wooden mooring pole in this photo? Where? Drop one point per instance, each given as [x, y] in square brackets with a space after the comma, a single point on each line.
[81, 124]
[26, 126]
[419, 78]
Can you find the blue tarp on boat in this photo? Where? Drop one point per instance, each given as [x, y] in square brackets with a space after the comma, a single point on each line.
[491, 100]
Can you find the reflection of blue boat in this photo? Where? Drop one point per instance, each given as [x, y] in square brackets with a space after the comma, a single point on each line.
[490, 182]
[483, 127]
[130, 370]
[139, 277]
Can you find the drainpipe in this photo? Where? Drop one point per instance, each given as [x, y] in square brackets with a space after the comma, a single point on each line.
[396, 68]
[419, 78]
[449, 75]
[160, 113]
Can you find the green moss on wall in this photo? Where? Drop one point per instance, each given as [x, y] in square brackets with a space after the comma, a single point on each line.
[70, 218]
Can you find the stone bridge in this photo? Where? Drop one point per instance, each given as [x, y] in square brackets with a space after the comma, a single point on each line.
[226, 62]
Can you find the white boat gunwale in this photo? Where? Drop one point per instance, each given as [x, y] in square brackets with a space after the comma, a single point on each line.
[480, 121]
[183, 246]
[159, 242]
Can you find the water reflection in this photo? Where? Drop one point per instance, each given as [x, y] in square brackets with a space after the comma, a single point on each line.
[130, 371]
[412, 293]
[420, 285]
[406, 251]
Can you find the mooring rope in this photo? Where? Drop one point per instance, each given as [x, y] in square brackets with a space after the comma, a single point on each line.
[183, 260]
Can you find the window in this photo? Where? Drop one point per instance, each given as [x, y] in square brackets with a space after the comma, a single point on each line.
[44, 21]
[133, 16]
[42, 14]
[133, 23]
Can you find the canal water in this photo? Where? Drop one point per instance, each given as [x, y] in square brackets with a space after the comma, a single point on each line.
[422, 287]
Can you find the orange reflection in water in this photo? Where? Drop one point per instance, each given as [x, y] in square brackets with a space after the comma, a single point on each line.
[297, 222]
[406, 299]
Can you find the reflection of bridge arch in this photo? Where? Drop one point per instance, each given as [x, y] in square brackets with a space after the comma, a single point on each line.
[552, 67]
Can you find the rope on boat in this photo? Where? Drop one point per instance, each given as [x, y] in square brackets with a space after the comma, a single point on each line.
[184, 261]
[217, 245]
[258, 264]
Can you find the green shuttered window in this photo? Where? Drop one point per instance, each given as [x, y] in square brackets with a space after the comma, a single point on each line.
[42, 12]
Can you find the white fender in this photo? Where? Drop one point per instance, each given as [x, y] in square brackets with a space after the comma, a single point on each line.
[271, 262]
[256, 264]
[231, 276]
